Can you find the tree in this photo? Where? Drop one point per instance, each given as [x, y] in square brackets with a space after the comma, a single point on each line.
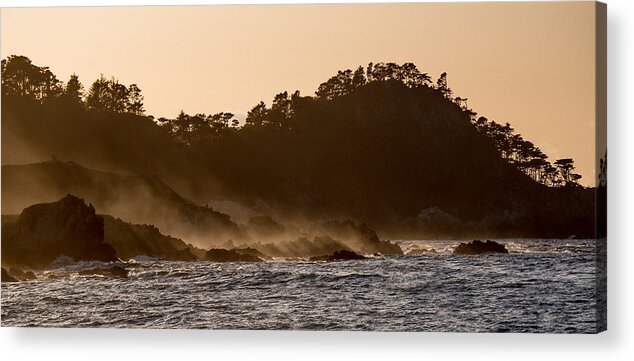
[118, 96]
[257, 116]
[135, 100]
[112, 96]
[98, 97]
[380, 72]
[337, 86]
[412, 77]
[441, 84]
[565, 167]
[370, 73]
[358, 78]
[22, 78]
[74, 90]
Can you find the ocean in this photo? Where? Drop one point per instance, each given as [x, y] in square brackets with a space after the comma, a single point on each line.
[542, 285]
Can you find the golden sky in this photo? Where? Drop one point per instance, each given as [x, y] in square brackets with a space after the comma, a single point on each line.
[529, 64]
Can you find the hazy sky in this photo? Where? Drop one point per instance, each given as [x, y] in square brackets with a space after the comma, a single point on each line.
[529, 64]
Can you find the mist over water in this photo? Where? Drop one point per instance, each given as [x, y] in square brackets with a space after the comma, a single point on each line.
[540, 286]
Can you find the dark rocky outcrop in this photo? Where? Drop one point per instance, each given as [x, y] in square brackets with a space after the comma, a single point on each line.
[115, 271]
[46, 231]
[21, 275]
[252, 252]
[419, 251]
[343, 255]
[224, 255]
[357, 237]
[329, 237]
[6, 277]
[301, 247]
[131, 240]
[479, 247]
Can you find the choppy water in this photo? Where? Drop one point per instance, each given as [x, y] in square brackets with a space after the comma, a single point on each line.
[541, 286]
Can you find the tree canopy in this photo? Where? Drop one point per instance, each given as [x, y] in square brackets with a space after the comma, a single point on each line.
[23, 79]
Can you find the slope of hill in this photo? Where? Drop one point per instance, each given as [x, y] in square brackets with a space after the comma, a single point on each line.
[385, 153]
[399, 154]
[137, 199]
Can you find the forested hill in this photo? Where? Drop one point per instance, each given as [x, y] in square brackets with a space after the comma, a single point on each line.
[381, 144]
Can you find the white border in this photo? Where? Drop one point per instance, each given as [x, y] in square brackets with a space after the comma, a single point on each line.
[617, 343]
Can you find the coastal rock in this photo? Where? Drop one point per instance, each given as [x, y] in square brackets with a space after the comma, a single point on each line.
[29, 276]
[115, 271]
[224, 255]
[357, 237]
[342, 255]
[479, 247]
[131, 240]
[419, 251]
[5, 277]
[252, 252]
[46, 231]
[20, 275]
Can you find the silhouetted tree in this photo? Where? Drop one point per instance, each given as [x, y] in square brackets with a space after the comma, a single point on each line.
[337, 86]
[118, 96]
[98, 95]
[135, 100]
[257, 116]
[565, 167]
[441, 85]
[370, 73]
[74, 90]
[112, 96]
[22, 78]
[358, 78]
[412, 77]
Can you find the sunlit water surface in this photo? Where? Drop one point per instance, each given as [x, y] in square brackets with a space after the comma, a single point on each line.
[541, 286]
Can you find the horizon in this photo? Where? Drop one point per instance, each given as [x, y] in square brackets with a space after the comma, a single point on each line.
[215, 73]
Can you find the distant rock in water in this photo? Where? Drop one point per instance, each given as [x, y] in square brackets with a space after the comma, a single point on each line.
[46, 231]
[29, 276]
[343, 255]
[252, 252]
[224, 255]
[357, 237]
[419, 251]
[329, 237]
[478, 247]
[20, 275]
[6, 277]
[115, 271]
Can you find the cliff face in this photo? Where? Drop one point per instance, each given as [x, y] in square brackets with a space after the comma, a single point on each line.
[46, 231]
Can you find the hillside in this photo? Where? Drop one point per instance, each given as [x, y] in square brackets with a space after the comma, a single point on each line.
[137, 199]
[384, 154]
[383, 146]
